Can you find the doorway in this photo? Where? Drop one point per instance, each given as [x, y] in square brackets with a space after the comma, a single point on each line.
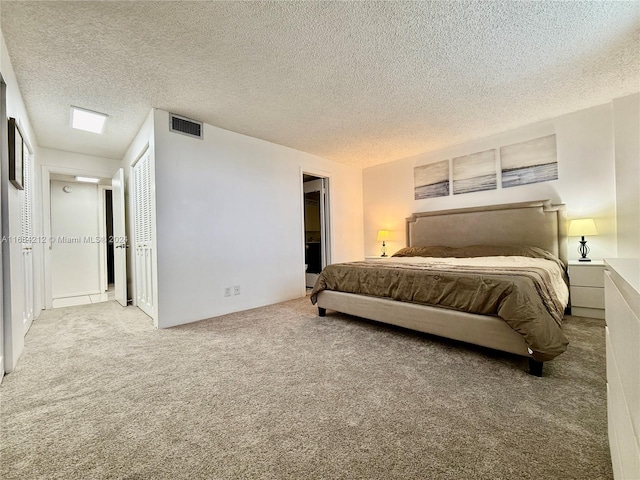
[316, 226]
[108, 256]
[79, 224]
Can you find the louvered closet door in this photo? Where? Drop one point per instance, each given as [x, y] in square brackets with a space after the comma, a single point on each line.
[142, 199]
[26, 204]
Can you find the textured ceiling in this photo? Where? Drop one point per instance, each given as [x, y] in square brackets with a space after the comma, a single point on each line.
[357, 82]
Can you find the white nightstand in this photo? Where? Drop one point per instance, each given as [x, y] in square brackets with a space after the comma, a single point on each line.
[586, 282]
[374, 257]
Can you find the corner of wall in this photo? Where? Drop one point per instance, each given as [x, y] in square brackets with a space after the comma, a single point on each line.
[13, 277]
[626, 130]
[585, 183]
[144, 139]
[218, 200]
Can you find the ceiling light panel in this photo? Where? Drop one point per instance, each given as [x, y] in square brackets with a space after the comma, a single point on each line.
[87, 179]
[87, 120]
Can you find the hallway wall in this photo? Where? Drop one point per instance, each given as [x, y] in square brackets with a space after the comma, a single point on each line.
[75, 255]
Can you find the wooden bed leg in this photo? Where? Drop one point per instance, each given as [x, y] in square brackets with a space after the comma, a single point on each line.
[535, 368]
[322, 312]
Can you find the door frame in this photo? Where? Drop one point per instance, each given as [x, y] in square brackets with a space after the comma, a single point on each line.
[102, 233]
[47, 170]
[120, 241]
[327, 241]
[3, 159]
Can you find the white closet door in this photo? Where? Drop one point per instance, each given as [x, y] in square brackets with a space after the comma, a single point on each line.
[26, 210]
[143, 245]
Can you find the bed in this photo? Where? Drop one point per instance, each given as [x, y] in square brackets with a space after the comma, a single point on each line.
[517, 229]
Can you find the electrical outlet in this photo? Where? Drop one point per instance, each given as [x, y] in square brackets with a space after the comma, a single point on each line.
[227, 291]
[236, 289]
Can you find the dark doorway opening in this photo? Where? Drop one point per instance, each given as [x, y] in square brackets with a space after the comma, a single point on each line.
[111, 276]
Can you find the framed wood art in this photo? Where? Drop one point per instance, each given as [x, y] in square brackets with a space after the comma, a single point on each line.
[16, 155]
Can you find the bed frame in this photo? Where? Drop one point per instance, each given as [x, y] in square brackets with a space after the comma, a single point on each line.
[539, 224]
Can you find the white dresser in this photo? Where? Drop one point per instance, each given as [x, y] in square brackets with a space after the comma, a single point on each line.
[622, 305]
[586, 281]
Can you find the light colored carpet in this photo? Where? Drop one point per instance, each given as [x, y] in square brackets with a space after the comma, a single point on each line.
[278, 392]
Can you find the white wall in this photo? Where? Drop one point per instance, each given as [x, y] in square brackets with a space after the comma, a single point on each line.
[75, 217]
[229, 212]
[61, 161]
[13, 277]
[143, 140]
[626, 119]
[586, 182]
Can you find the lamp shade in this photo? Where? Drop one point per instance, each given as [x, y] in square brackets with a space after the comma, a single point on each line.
[383, 235]
[582, 227]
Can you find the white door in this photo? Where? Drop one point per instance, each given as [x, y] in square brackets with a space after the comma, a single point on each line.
[26, 202]
[316, 229]
[143, 245]
[119, 238]
[75, 258]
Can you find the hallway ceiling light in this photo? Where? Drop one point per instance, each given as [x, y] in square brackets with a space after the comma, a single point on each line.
[88, 179]
[87, 120]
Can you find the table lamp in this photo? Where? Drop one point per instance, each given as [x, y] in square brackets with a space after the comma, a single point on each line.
[382, 236]
[581, 228]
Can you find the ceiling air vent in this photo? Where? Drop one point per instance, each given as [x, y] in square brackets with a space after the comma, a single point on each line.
[185, 126]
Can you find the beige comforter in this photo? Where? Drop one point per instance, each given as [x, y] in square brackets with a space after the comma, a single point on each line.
[530, 294]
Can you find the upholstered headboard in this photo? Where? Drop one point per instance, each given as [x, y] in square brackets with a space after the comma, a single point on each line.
[538, 224]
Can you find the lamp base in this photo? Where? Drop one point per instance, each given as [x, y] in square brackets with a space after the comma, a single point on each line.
[584, 251]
